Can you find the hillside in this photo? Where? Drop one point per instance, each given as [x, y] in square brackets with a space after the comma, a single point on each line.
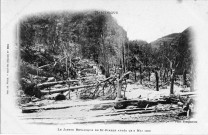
[164, 40]
[176, 46]
[172, 38]
[49, 38]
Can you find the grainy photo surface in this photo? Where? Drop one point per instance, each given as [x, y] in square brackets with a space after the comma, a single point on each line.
[78, 69]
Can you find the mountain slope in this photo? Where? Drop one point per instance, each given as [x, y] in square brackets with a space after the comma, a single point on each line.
[164, 40]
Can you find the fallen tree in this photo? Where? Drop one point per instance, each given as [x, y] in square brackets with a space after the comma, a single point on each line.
[49, 84]
[66, 89]
[138, 103]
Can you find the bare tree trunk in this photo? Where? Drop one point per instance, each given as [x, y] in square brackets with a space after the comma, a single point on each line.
[172, 78]
[119, 85]
[161, 76]
[157, 80]
[107, 74]
[165, 75]
[70, 66]
[192, 82]
[149, 74]
[104, 56]
[70, 61]
[135, 77]
[67, 67]
[184, 77]
[123, 58]
[140, 70]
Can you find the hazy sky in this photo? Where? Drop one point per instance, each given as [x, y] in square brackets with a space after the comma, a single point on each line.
[151, 20]
[146, 20]
[154, 19]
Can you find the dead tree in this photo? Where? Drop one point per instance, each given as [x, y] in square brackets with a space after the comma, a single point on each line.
[165, 74]
[135, 75]
[172, 78]
[149, 74]
[156, 79]
[192, 79]
[184, 77]
[140, 72]
[173, 67]
[119, 84]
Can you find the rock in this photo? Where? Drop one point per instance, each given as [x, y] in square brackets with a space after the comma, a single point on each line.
[60, 97]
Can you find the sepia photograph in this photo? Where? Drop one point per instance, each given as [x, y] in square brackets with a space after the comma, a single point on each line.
[103, 67]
